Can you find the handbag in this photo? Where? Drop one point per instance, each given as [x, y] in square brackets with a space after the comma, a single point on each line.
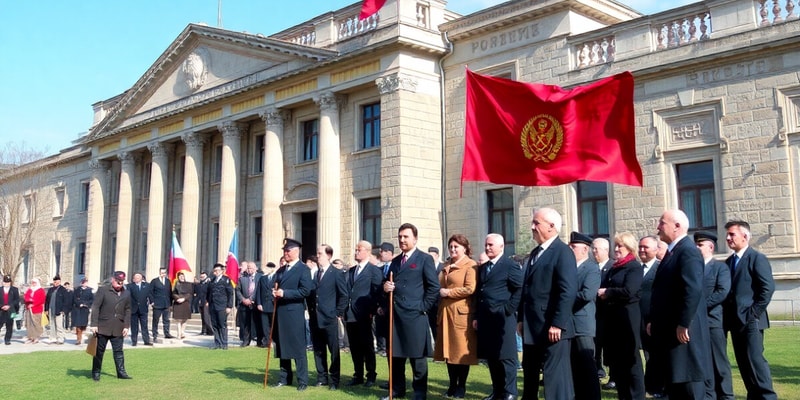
[45, 320]
[91, 347]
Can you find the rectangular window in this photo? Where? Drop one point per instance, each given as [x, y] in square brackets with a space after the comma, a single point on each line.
[27, 209]
[257, 238]
[696, 194]
[371, 220]
[215, 245]
[143, 259]
[58, 207]
[56, 248]
[371, 126]
[114, 187]
[180, 168]
[26, 264]
[593, 208]
[217, 164]
[500, 204]
[80, 258]
[113, 253]
[310, 140]
[85, 193]
[146, 175]
[258, 157]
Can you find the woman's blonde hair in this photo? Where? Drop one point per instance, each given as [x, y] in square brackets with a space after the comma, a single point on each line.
[628, 241]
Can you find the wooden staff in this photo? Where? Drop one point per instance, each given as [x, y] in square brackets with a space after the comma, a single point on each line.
[269, 342]
[391, 335]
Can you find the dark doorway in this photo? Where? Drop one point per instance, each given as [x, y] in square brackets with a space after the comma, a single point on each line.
[308, 234]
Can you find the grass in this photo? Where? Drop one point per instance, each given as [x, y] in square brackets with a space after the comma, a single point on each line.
[199, 373]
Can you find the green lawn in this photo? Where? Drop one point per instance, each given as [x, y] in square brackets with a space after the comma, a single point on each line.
[195, 373]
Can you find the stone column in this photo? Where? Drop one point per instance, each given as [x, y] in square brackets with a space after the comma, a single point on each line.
[125, 210]
[156, 238]
[95, 231]
[231, 155]
[272, 196]
[329, 197]
[190, 210]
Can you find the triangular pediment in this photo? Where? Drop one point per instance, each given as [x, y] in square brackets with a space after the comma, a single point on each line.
[204, 62]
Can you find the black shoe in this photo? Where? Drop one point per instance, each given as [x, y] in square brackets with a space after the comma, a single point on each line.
[148, 343]
[610, 385]
[601, 373]
[169, 336]
[395, 396]
[244, 345]
[8, 343]
[489, 397]
[384, 386]
[508, 397]
[450, 393]
[658, 395]
[133, 344]
[321, 384]
[281, 384]
[123, 376]
[371, 383]
[355, 382]
[333, 386]
[301, 387]
[224, 347]
[96, 377]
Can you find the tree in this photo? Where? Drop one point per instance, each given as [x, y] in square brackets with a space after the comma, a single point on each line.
[24, 172]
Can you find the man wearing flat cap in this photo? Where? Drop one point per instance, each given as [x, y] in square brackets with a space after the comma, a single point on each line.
[584, 372]
[294, 285]
[717, 285]
[111, 319]
[9, 305]
[57, 304]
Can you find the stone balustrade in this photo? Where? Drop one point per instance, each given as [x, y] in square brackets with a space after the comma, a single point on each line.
[773, 12]
[350, 26]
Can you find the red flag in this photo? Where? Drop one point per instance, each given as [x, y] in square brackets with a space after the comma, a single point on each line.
[542, 135]
[177, 261]
[370, 7]
[232, 262]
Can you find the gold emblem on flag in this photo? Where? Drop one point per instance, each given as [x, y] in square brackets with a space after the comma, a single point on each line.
[541, 138]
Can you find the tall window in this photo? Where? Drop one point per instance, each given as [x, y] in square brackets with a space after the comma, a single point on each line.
[27, 211]
[56, 247]
[696, 194]
[146, 176]
[85, 191]
[180, 169]
[215, 244]
[371, 220]
[26, 264]
[258, 157]
[113, 253]
[371, 126]
[58, 207]
[593, 208]
[310, 140]
[80, 258]
[500, 204]
[257, 238]
[114, 187]
[217, 163]
[143, 259]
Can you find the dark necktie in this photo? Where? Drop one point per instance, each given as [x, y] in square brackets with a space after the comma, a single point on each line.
[734, 264]
[489, 266]
[535, 255]
[403, 260]
[319, 275]
[385, 270]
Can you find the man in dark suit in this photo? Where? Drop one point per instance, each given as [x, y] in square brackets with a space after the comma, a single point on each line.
[434, 310]
[600, 251]
[497, 294]
[716, 285]
[294, 285]
[653, 378]
[326, 305]
[678, 324]
[140, 300]
[111, 318]
[161, 298]
[220, 303]
[584, 373]
[8, 306]
[745, 309]
[549, 289]
[415, 287]
[364, 291]
[265, 304]
[201, 293]
[57, 304]
[250, 321]
[385, 256]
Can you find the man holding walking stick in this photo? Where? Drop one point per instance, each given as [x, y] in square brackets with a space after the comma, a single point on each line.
[415, 288]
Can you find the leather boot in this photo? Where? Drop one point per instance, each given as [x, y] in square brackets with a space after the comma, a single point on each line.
[97, 365]
[119, 361]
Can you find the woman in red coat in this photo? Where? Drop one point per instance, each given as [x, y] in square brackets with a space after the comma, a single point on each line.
[34, 304]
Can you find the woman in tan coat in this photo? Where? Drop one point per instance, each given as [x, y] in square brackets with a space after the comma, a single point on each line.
[456, 340]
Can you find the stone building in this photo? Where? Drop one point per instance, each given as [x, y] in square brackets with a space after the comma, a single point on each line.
[335, 130]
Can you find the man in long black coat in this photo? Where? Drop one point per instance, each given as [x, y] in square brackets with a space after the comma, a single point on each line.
[111, 318]
[745, 309]
[584, 373]
[497, 296]
[140, 301]
[294, 285]
[549, 288]
[266, 305]
[415, 287]
[220, 303]
[364, 288]
[201, 291]
[678, 324]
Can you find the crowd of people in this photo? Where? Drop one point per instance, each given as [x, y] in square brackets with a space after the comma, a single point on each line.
[571, 309]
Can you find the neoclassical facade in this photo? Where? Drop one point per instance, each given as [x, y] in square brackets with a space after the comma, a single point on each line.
[337, 130]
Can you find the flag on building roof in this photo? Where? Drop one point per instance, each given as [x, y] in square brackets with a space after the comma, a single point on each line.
[542, 135]
[232, 263]
[369, 7]
[177, 261]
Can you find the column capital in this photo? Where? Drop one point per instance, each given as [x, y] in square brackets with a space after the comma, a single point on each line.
[99, 167]
[329, 101]
[232, 129]
[274, 117]
[392, 83]
[129, 158]
[161, 150]
[194, 140]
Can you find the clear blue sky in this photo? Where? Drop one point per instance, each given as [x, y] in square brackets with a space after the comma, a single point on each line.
[61, 56]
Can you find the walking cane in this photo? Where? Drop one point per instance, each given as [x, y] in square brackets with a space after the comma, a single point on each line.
[269, 342]
[391, 335]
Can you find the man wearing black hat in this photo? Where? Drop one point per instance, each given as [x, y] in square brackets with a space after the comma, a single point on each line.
[386, 255]
[363, 285]
[8, 307]
[717, 283]
[58, 303]
[111, 318]
[584, 373]
[294, 285]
